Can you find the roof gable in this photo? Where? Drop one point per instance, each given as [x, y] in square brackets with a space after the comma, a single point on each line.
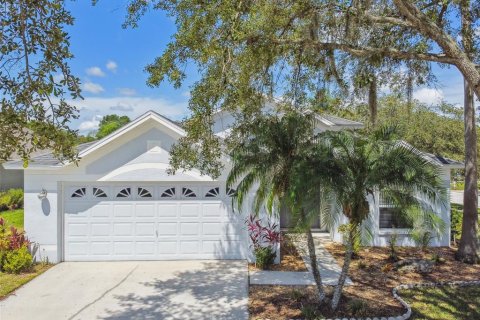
[48, 160]
[148, 116]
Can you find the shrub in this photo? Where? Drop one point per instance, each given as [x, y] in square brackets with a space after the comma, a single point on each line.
[11, 199]
[422, 238]
[392, 245]
[264, 240]
[17, 260]
[361, 265]
[296, 295]
[5, 200]
[357, 307]
[11, 241]
[264, 257]
[437, 259]
[16, 198]
[309, 311]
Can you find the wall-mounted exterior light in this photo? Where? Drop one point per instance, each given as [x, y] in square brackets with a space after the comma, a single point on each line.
[43, 194]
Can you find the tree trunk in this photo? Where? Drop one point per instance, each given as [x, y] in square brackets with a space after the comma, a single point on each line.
[469, 246]
[313, 264]
[346, 266]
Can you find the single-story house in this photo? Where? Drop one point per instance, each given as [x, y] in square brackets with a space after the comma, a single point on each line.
[119, 203]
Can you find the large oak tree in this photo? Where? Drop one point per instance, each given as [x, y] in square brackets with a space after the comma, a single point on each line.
[247, 51]
[35, 79]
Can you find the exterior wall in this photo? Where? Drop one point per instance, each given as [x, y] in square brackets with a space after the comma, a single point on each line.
[127, 159]
[382, 236]
[10, 179]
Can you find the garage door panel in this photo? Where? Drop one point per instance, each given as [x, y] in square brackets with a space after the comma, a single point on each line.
[123, 248]
[213, 209]
[101, 210]
[189, 210]
[123, 229]
[145, 248]
[145, 229]
[152, 228]
[167, 229]
[189, 229]
[145, 210]
[100, 229]
[167, 210]
[123, 210]
[167, 247]
[101, 247]
[189, 247]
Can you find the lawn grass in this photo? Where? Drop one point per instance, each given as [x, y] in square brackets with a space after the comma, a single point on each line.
[10, 282]
[13, 218]
[444, 303]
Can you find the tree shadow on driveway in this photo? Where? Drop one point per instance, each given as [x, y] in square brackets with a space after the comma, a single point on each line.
[214, 290]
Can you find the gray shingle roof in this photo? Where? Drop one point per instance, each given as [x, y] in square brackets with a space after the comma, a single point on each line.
[47, 158]
[443, 161]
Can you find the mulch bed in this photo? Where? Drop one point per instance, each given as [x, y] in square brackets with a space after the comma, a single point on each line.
[371, 294]
[290, 259]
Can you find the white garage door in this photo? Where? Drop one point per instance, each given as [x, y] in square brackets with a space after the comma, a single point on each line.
[151, 222]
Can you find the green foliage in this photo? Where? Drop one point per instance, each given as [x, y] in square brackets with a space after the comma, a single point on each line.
[264, 257]
[392, 245]
[36, 79]
[456, 217]
[435, 129]
[11, 241]
[17, 260]
[349, 230]
[358, 308]
[309, 311]
[11, 199]
[109, 124]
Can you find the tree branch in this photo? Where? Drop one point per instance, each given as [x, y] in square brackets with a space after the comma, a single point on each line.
[365, 51]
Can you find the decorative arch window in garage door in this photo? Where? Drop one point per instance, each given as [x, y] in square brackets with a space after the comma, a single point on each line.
[144, 193]
[231, 192]
[188, 193]
[169, 193]
[79, 193]
[124, 193]
[99, 193]
[213, 193]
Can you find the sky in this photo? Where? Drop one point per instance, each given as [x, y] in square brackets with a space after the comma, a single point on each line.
[110, 62]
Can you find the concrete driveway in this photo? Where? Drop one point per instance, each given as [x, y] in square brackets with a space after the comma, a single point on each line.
[134, 290]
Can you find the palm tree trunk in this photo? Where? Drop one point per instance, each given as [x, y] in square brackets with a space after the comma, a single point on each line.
[337, 294]
[468, 246]
[313, 260]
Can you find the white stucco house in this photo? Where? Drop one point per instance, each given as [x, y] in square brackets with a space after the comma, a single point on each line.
[119, 203]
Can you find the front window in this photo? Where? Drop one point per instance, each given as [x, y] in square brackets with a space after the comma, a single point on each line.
[390, 216]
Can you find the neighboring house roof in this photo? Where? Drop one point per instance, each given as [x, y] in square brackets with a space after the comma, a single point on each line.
[445, 161]
[436, 159]
[45, 159]
[333, 121]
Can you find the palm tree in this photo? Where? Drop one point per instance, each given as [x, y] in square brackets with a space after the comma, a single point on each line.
[264, 160]
[361, 165]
